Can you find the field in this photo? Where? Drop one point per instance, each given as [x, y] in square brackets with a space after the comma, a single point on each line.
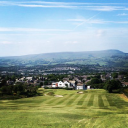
[92, 109]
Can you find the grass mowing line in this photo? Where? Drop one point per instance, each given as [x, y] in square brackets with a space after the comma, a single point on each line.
[95, 101]
[105, 101]
[90, 102]
[82, 100]
[100, 101]
[66, 100]
[118, 102]
[77, 99]
[66, 117]
[44, 99]
[110, 99]
[71, 100]
[51, 100]
[56, 100]
[62, 99]
[86, 100]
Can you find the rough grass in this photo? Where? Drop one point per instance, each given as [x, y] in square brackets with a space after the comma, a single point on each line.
[92, 109]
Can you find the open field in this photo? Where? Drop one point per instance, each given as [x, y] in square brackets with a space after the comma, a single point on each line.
[93, 109]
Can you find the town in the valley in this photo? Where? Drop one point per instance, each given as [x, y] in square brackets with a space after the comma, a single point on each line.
[61, 76]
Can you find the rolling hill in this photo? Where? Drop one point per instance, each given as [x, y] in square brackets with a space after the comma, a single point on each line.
[105, 57]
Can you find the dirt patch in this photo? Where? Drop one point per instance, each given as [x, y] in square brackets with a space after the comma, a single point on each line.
[58, 96]
[80, 92]
[124, 97]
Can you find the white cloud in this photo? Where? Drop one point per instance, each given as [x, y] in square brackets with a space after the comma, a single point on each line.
[71, 42]
[93, 21]
[30, 29]
[122, 14]
[80, 22]
[100, 33]
[5, 42]
[105, 8]
[89, 39]
[46, 6]
[77, 5]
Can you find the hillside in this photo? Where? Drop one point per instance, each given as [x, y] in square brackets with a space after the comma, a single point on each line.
[92, 109]
[106, 57]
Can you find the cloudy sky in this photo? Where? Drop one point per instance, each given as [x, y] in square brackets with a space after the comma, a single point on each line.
[43, 26]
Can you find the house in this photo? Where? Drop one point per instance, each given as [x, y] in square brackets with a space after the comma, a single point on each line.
[125, 84]
[9, 82]
[80, 86]
[29, 78]
[60, 84]
[65, 79]
[72, 83]
[67, 84]
[54, 84]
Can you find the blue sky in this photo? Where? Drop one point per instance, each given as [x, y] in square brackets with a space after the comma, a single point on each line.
[32, 27]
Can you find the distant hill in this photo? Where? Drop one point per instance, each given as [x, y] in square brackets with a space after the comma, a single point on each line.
[105, 57]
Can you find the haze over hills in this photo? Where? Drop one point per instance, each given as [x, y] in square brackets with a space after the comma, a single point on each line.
[105, 57]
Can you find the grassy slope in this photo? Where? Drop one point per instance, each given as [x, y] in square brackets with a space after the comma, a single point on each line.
[93, 109]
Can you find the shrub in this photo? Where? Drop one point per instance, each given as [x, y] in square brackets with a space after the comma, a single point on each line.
[50, 93]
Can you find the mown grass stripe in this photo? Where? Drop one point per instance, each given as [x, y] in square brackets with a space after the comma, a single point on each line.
[95, 101]
[86, 100]
[100, 101]
[73, 99]
[90, 102]
[110, 100]
[63, 99]
[51, 100]
[82, 100]
[116, 101]
[105, 101]
[78, 99]
[68, 98]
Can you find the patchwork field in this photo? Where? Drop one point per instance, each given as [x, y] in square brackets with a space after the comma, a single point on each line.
[92, 109]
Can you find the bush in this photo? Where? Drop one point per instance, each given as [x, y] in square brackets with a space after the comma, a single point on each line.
[50, 93]
[46, 88]
[69, 88]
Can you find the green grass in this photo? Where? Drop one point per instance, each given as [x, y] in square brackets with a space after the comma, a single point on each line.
[92, 109]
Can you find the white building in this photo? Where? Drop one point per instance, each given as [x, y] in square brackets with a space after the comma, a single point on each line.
[29, 78]
[79, 87]
[88, 87]
[54, 85]
[60, 84]
[67, 84]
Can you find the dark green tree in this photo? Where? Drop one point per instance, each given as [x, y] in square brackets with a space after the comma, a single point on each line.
[112, 85]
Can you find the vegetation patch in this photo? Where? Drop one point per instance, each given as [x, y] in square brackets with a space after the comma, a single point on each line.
[96, 108]
[50, 93]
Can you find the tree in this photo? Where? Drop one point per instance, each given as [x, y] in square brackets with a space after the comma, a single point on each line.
[88, 78]
[45, 82]
[4, 89]
[41, 84]
[114, 75]
[76, 82]
[112, 85]
[96, 81]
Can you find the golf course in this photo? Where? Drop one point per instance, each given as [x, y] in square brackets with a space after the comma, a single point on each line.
[59, 108]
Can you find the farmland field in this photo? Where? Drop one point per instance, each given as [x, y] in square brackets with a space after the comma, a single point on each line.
[92, 109]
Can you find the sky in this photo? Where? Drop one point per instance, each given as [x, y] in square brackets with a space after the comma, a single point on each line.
[45, 26]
